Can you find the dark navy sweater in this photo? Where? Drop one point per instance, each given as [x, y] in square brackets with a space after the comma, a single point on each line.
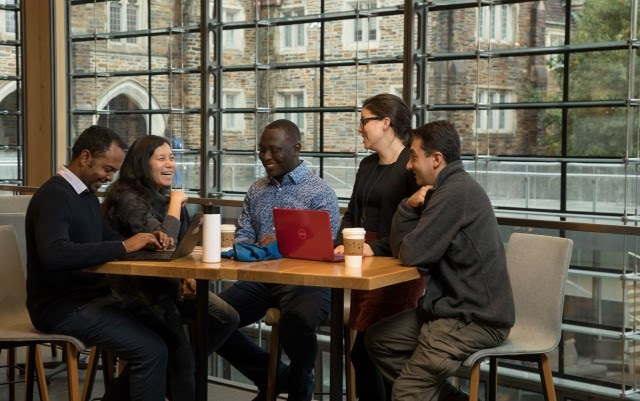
[65, 233]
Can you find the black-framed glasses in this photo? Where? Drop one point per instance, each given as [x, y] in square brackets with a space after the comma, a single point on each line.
[364, 121]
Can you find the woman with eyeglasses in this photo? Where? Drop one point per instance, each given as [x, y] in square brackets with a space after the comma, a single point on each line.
[382, 181]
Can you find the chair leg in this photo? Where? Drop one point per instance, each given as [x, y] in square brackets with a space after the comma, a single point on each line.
[72, 371]
[547, 378]
[11, 373]
[108, 368]
[29, 372]
[350, 373]
[121, 364]
[274, 358]
[41, 375]
[493, 378]
[474, 381]
[90, 375]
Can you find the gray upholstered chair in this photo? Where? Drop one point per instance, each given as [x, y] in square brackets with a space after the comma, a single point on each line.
[12, 211]
[538, 268]
[15, 325]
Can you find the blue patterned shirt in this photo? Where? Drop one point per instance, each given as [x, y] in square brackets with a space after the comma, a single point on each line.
[299, 189]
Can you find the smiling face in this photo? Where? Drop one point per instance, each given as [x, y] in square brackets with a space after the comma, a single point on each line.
[97, 170]
[162, 166]
[373, 130]
[425, 168]
[278, 152]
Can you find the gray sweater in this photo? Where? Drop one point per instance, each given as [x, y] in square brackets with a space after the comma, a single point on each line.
[455, 237]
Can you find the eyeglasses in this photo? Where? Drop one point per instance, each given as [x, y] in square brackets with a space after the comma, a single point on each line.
[364, 121]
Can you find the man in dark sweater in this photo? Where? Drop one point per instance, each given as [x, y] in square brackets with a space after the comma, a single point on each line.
[65, 233]
[449, 229]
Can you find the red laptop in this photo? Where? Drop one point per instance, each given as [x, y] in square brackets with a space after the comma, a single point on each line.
[304, 234]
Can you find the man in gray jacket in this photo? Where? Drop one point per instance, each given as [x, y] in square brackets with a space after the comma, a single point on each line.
[447, 228]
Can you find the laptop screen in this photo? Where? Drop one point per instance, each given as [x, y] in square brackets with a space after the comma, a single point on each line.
[304, 234]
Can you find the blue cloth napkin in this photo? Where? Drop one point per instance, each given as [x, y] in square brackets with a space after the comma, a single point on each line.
[248, 252]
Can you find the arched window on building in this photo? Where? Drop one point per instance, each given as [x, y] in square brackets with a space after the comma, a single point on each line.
[10, 130]
[9, 121]
[128, 126]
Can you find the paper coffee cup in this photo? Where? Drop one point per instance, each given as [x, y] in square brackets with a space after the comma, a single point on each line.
[227, 234]
[353, 240]
[353, 271]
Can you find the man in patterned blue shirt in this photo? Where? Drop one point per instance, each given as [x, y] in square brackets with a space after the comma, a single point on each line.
[289, 184]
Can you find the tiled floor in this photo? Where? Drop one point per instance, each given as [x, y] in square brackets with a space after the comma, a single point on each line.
[58, 386]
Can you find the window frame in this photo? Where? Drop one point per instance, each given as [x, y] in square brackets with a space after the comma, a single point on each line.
[292, 31]
[125, 7]
[485, 116]
[500, 29]
[352, 26]
[232, 39]
[298, 117]
[233, 122]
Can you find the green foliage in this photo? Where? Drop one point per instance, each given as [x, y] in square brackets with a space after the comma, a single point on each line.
[600, 75]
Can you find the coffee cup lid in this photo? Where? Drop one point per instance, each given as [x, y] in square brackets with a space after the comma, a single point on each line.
[353, 230]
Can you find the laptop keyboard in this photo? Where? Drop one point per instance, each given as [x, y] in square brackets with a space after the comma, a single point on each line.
[149, 255]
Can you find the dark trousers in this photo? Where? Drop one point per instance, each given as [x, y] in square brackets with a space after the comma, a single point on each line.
[128, 328]
[222, 321]
[370, 385]
[302, 311]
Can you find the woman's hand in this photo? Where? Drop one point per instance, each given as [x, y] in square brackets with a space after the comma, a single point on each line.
[142, 240]
[339, 250]
[178, 196]
[367, 251]
[164, 239]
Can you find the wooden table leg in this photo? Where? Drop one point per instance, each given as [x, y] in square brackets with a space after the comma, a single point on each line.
[200, 339]
[336, 347]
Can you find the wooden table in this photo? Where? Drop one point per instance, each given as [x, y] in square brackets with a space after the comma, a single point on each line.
[376, 272]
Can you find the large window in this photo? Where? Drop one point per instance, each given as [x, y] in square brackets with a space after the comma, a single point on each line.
[544, 94]
[548, 128]
[134, 66]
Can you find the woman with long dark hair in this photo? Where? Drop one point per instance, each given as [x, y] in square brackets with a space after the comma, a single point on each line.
[141, 200]
[382, 181]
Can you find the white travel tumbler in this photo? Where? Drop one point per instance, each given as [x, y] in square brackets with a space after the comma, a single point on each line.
[211, 234]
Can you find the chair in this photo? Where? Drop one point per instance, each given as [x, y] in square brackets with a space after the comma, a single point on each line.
[15, 324]
[272, 318]
[108, 370]
[538, 268]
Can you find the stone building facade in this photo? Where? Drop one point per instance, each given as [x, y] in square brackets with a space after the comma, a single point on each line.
[153, 79]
